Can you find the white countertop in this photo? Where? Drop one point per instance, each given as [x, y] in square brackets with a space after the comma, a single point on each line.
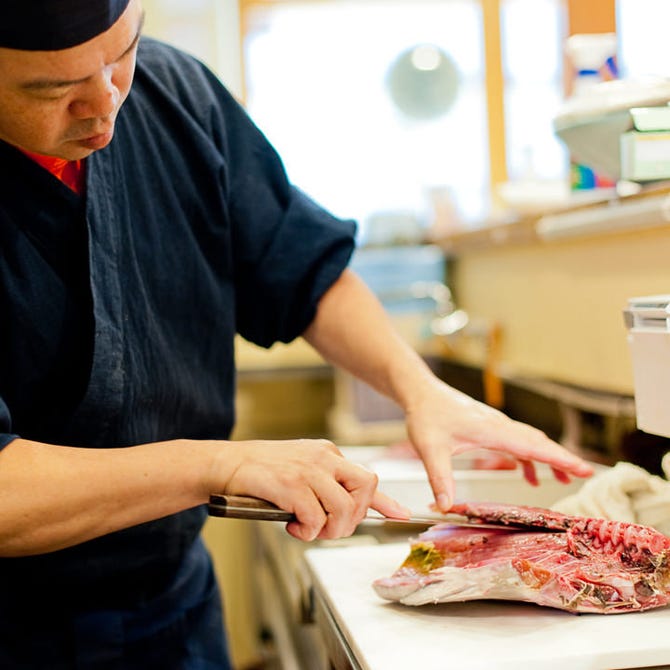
[476, 635]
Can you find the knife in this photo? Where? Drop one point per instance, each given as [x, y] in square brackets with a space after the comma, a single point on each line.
[247, 507]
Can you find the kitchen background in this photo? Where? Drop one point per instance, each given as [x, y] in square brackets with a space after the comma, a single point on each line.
[432, 122]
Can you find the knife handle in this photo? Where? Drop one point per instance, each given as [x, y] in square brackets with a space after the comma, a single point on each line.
[246, 507]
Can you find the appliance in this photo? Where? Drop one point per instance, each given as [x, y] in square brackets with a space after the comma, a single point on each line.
[591, 125]
[648, 321]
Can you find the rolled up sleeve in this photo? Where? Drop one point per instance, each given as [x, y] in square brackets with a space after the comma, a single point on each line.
[6, 436]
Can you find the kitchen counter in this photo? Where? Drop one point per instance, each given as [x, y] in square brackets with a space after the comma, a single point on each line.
[364, 632]
[297, 605]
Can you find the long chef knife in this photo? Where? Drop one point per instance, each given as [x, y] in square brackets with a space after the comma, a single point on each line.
[246, 507]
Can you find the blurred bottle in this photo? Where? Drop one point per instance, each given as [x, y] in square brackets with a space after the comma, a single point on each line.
[593, 60]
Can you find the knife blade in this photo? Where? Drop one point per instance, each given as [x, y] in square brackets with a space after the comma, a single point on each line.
[257, 509]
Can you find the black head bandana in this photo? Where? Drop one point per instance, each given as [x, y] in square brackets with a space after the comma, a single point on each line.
[51, 25]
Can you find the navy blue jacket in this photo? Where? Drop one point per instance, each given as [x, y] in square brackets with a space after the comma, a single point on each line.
[118, 310]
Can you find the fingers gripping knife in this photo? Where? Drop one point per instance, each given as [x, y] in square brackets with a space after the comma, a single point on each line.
[246, 507]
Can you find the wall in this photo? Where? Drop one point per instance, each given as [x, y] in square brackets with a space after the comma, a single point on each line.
[559, 302]
[209, 29]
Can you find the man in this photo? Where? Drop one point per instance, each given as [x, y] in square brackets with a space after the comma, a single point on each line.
[144, 221]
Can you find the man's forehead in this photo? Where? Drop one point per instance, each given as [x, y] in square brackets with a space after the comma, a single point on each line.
[52, 25]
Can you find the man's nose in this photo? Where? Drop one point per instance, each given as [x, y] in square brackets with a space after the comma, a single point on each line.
[98, 98]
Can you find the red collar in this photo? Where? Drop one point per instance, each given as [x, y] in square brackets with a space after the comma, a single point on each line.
[71, 173]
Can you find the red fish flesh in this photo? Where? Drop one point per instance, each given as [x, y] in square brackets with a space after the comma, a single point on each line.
[572, 563]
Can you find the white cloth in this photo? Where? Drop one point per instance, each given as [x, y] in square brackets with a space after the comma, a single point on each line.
[624, 492]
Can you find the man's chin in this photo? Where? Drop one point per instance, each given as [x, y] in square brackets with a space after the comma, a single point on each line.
[78, 149]
[75, 155]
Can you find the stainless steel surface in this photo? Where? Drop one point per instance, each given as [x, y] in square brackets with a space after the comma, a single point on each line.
[340, 654]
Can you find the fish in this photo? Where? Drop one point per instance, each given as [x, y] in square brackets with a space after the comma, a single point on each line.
[571, 563]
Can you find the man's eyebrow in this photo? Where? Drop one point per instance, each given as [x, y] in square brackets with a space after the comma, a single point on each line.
[42, 84]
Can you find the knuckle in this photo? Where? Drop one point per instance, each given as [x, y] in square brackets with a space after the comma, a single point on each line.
[327, 446]
[349, 507]
[373, 479]
[310, 516]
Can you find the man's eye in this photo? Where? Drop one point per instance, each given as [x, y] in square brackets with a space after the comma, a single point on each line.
[53, 94]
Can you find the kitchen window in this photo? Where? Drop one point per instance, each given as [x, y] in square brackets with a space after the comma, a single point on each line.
[642, 27]
[319, 80]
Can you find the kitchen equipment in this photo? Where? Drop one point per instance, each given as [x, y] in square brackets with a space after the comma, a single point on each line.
[648, 321]
[246, 507]
[367, 633]
[593, 60]
[591, 125]
[645, 149]
[400, 276]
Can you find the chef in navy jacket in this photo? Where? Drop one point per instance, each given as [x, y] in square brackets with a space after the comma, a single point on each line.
[144, 222]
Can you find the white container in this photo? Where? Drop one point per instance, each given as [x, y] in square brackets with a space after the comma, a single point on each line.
[648, 322]
[402, 276]
[645, 150]
[591, 125]
[405, 480]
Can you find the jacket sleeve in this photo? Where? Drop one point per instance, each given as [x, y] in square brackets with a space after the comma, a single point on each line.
[288, 249]
[5, 425]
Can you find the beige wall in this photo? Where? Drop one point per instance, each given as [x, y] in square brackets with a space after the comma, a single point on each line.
[559, 303]
[233, 550]
[209, 29]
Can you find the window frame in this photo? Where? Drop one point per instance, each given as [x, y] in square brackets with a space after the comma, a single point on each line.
[594, 16]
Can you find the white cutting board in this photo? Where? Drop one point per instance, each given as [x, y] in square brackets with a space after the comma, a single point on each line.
[481, 635]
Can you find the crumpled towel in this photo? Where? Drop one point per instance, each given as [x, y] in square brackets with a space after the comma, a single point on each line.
[625, 492]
